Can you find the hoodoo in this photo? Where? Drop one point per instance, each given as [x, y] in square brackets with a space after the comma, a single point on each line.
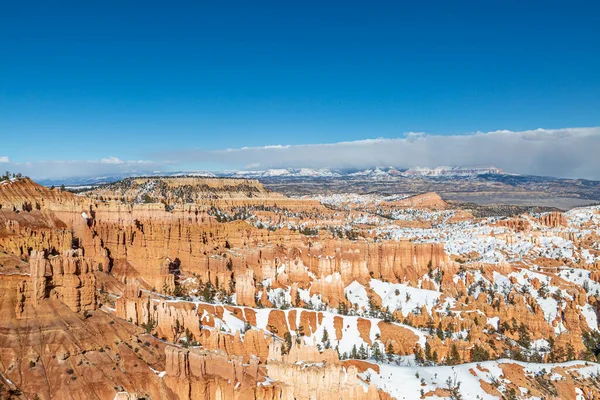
[188, 287]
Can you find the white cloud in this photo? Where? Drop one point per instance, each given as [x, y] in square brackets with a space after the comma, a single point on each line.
[567, 152]
[4, 159]
[111, 160]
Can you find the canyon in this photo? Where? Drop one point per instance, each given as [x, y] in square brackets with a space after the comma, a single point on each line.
[218, 288]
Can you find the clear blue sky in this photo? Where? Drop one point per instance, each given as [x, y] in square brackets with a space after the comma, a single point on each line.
[125, 79]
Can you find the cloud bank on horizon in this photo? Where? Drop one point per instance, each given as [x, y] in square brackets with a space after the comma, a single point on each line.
[568, 152]
[565, 153]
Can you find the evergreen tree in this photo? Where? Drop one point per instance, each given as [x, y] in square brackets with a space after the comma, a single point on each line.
[208, 292]
[440, 332]
[376, 352]
[354, 353]
[524, 337]
[390, 352]
[430, 327]
[419, 359]
[570, 352]
[363, 354]
[428, 354]
[453, 386]
[372, 306]
[479, 354]
[325, 339]
[454, 356]
[287, 345]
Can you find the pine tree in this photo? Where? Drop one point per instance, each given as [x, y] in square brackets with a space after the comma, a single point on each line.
[428, 354]
[372, 305]
[454, 357]
[287, 345]
[363, 354]
[354, 353]
[570, 352]
[325, 339]
[524, 337]
[430, 327]
[390, 352]
[376, 352]
[440, 332]
[479, 354]
[453, 386]
[419, 355]
[208, 292]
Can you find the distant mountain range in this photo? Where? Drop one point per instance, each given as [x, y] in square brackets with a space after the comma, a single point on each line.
[480, 185]
[379, 173]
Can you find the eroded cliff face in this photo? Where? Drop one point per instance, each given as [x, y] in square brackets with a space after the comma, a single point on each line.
[218, 374]
[68, 278]
[189, 287]
[50, 351]
[197, 322]
[205, 374]
[313, 382]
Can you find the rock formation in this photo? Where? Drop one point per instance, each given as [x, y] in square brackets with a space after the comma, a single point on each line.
[181, 288]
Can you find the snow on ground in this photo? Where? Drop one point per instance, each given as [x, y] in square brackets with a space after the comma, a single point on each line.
[580, 277]
[407, 299]
[232, 322]
[494, 322]
[493, 243]
[262, 317]
[547, 302]
[590, 316]
[350, 334]
[549, 307]
[357, 294]
[352, 199]
[394, 296]
[406, 381]
[584, 215]
[159, 373]
[279, 297]
[306, 297]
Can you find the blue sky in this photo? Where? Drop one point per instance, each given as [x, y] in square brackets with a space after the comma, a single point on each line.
[146, 80]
